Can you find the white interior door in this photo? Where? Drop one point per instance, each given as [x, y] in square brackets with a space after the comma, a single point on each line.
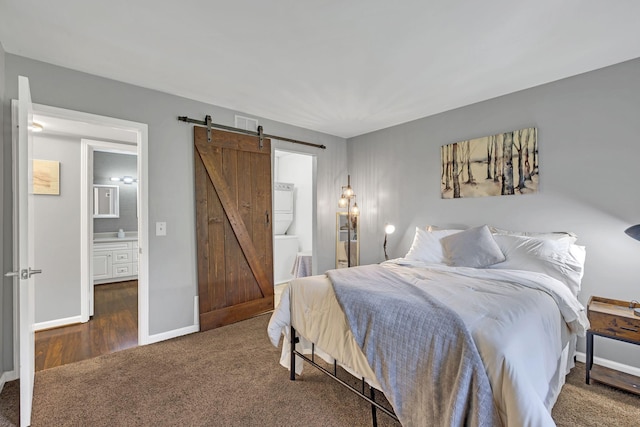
[23, 247]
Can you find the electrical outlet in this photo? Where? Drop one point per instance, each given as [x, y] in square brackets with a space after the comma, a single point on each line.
[161, 228]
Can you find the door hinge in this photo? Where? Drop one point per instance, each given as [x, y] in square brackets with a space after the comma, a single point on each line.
[260, 137]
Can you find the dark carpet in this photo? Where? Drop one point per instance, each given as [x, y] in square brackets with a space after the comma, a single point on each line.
[231, 377]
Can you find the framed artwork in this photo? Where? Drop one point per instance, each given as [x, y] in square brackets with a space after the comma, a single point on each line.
[496, 165]
[46, 177]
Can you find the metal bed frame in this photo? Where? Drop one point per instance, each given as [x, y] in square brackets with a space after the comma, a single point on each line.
[334, 375]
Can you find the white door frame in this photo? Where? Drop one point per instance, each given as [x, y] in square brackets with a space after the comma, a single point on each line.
[88, 147]
[142, 150]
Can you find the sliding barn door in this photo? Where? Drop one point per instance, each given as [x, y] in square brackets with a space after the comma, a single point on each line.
[233, 222]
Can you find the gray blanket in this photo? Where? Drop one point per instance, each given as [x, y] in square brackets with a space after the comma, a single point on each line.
[420, 351]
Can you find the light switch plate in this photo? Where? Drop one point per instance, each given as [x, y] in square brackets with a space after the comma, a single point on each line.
[161, 228]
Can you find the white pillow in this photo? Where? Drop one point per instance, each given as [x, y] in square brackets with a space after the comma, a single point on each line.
[558, 258]
[426, 246]
[549, 235]
[577, 257]
[474, 247]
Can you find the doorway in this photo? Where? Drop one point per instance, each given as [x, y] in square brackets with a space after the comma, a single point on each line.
[294, 216]
[69, 304]
[111, 179]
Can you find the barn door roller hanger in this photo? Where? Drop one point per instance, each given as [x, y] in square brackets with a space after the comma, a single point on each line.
[210, 125]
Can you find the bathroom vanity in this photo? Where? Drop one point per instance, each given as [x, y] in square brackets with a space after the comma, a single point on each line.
[114, 259]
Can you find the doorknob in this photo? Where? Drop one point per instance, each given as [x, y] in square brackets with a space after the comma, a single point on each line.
[24, 273]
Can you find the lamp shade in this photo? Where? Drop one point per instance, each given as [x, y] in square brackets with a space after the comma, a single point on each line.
[633, 231]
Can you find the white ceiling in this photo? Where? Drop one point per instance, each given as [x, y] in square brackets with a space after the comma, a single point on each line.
[340, 67]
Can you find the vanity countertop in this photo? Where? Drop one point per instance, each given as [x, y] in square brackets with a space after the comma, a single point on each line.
[113, 237]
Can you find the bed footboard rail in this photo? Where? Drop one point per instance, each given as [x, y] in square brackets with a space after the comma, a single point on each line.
[334, 375]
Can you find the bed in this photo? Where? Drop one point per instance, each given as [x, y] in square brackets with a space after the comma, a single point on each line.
[473, 327]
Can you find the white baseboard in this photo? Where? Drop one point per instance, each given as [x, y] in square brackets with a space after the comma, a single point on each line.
[582, 357]
[172, 334]
[57, 323]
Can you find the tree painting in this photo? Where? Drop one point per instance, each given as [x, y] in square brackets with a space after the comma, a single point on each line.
[508, 160]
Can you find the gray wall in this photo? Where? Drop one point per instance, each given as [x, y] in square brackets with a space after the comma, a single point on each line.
[105, 166]
[6, 292]
[588, 128]
[57, 232]
[172, 259]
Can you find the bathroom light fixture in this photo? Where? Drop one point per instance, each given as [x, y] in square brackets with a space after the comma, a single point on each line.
[388, 229]
[124, 179]
[352, 213]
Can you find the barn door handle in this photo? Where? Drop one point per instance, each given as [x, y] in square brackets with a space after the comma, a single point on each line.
[266, 214]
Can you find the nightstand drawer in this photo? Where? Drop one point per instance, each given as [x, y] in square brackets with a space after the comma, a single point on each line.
[617, 326]
[613, 318]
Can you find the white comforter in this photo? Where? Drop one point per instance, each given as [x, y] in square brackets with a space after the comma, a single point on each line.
[520, 322]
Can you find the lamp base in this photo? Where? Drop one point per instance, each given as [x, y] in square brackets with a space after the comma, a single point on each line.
[636, 311]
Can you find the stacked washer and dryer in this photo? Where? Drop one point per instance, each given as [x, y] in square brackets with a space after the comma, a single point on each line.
[285, 246]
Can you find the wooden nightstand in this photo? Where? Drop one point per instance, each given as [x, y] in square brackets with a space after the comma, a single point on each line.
[613, 319]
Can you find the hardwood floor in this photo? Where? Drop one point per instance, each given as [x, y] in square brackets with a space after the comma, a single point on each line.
[113, 327]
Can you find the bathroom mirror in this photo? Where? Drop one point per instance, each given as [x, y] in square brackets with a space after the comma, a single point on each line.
[106, 201]
[344, 233]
